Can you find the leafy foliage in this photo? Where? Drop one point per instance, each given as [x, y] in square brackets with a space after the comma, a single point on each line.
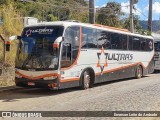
[110, 15]
[137, 26]
[4, 2]
[13, 11]
[49, 10]
[12, 25]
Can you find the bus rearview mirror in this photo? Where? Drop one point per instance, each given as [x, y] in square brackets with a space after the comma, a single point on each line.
[7, 44]
[57, 42]
[55, 45]
[15, 37]
[12, 38]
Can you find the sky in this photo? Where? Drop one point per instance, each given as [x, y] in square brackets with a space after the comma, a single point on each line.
[141, 6]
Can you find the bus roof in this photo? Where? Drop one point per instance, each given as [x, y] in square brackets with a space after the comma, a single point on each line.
[98, 26]
[156, 37]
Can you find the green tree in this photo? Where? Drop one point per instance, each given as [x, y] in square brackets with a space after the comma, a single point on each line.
[135, 22]
[137, 26]
[51, 10]
[110, 15]
[51, 17]
[4, 2]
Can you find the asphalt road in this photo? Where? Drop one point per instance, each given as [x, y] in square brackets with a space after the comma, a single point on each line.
[122, 95]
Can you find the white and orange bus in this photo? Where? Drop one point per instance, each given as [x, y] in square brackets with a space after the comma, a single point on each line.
[157, 55]
[68, 54]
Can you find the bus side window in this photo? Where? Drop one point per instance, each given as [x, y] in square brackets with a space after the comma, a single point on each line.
[149, 44]
[124, 42]
[130, 42]
[103, 38]
[136, 43]
[143, 44]
[156, 46]
[89, 38]
[116, 42]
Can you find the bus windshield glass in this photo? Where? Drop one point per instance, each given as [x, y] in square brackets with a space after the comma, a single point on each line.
[35, 49]
[157, 46]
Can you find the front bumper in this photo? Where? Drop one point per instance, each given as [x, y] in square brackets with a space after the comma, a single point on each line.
[39, 83]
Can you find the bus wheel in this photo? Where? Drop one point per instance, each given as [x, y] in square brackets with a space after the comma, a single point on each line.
[86, 80]
[139, 72]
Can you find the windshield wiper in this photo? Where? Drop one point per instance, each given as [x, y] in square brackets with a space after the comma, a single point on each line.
[33, 57]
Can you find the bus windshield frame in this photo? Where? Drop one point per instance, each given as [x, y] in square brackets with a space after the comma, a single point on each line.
[35, 49]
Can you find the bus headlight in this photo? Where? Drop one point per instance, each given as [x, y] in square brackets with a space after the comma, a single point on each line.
[50, 78]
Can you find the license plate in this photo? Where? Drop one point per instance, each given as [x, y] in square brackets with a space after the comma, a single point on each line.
[31, 83]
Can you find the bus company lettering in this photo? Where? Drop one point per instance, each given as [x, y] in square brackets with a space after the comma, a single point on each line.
[104, 57]
[118, 56]
[40, 31]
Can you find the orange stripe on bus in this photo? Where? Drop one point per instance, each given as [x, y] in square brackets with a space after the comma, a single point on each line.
[79, 49]
[70, 79]
[37, 77]
[113, 28]
[123, 67]
[115, 69]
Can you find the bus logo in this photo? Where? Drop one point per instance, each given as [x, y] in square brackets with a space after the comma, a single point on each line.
[28, 32]
[102, 60]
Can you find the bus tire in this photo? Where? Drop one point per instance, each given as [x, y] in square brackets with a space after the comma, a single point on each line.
[86, 80]
[139, 72]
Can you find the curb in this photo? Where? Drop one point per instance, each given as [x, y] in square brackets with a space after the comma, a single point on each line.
[8, 88]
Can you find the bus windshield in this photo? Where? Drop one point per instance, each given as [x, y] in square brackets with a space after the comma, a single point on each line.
[157, 46]
[35, 49]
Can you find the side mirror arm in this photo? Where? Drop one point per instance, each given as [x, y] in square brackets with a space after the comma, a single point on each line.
[2, 38]
[8, 42]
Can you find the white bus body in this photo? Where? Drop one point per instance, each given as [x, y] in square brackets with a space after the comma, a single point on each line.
[87, 54]
[157, 55]
[29, 21]
[157, 50]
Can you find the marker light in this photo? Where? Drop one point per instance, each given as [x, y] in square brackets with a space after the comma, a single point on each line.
[18, 76]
